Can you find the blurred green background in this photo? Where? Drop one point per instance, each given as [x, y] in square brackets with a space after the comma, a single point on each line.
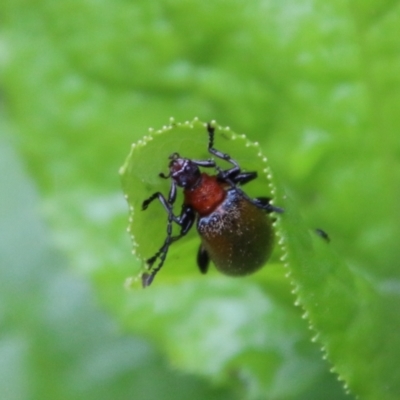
[316, 83]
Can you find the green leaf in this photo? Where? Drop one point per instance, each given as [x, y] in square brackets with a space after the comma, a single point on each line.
[315, 83]
[231, 305]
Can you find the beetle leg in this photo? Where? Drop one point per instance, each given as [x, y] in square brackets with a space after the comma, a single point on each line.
[204, 163]
[185, 220]
[265, 204]
[235, 176]
[166, 203]
[203, 259]
[154, 196]
[243, 178]
[235, 170]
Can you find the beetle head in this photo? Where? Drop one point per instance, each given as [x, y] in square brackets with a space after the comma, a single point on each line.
[184, 171]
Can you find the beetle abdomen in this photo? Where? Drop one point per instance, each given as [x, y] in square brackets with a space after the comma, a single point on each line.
[237, 235]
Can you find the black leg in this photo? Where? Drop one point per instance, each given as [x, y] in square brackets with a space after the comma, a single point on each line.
[244, 177]
[265, 204]
[203, 260]
[235, 176]
[166, 203]
[235, 170]
[204, 163]
[185, 220]
[154, 196]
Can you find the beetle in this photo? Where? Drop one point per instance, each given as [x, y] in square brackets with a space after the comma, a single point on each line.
[236, 231]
